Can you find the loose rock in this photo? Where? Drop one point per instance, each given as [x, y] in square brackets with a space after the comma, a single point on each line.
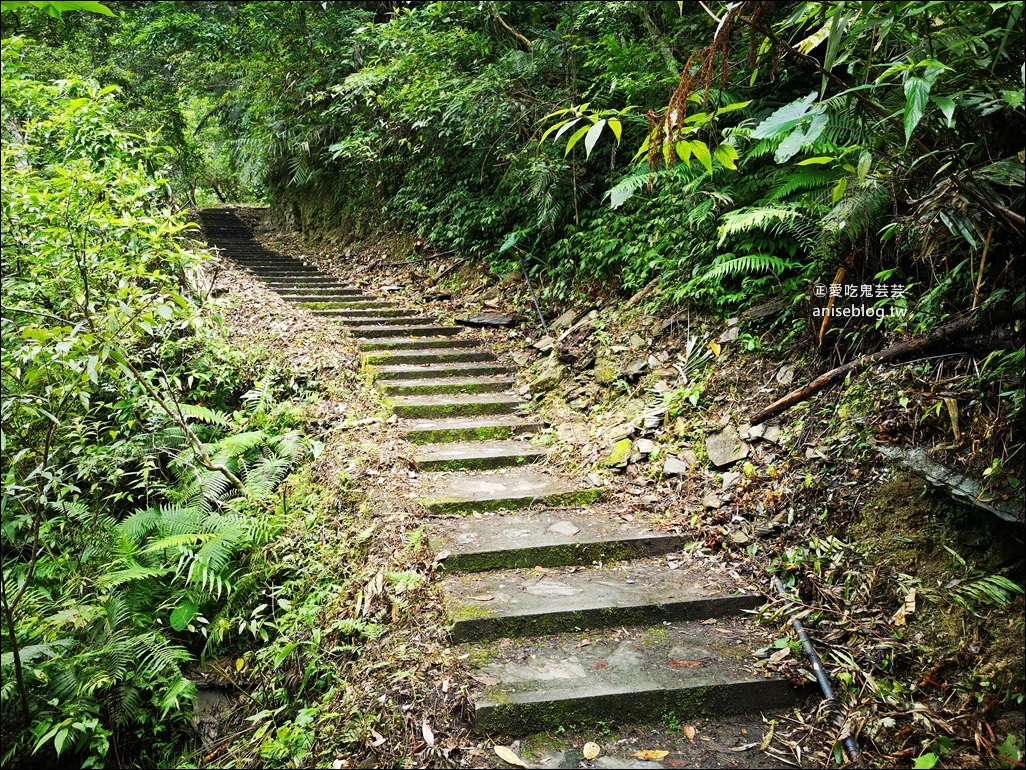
[725, 447]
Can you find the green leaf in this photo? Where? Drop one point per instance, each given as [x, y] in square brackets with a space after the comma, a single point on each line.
[592, 137]
[701, 150]
[183, 615]
[818, 160]
[917, 92]
[56, 8]
[839, 189]
[616, 128]
[577, 136]
[554, 127]
[727, 156]
[865, 162]
[785, 119]
[947, 108]
[509, 243]
[566, 127]
[731, 107]
[926, 761]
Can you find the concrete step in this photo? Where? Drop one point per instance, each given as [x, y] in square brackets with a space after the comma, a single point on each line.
[391, 331]
[313, 289]
[415, 343]
[469, 429]
[317, 293]
[509, 541]
[459, 405]
[326, 303]
[476, 455]
[525, 602]
[426, 356]
[286, 271]
[309, 281]
[435, 370]
[429, 385]
[388, 310]
[498, 491]
[623, 675]
[356, 321]
[374, 315]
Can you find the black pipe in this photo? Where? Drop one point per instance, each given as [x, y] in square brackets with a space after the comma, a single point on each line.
[850, 747]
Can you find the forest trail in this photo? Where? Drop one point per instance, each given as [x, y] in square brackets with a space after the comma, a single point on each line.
[569, 617]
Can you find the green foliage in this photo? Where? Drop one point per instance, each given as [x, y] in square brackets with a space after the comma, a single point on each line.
[134, 486]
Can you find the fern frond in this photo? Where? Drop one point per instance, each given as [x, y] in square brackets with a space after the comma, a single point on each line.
[756, 218]
[203, 414]
[748, 264]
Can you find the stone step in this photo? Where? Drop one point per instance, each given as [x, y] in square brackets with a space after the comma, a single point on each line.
[509, 541]
[498, 491]
[433, 371]
[525, 602]
[428, 385]
[356, 321]
[415, 343]
[623, 675]
[371, 317]
[268, 263]
[311, 281]
[317, 293]
[476, 455]
[325, 288]
[468, 429]
[327, 303]
[459, 405]
[286, 271]
[426, 356]
[391, 331]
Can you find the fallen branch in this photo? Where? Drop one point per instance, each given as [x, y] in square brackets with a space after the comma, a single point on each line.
[945, 333]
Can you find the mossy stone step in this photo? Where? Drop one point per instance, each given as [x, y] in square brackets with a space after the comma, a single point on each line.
[355, 321]
[525, 602]
[305, 281]
[628, 675]
[418, 371]
[426, 355]
[348, 298]
[509, 541]
[459, 405]
[334, 302]
[328, 288]
[414, 387]
[467, 493]
[476, 455]
[415, 343]
[468, 429]
[391, 331]
[351, 316]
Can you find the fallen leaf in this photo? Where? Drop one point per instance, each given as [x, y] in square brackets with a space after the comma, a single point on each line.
[378, 738]
[487, 681]
[598, 665]
[690, 733]
[482, 598]
[709, 622]
[428, 733]
[714, 347]
[768, 737]
[442, 555]
[584, 642]
[744, 747]
[508, 756]
[651, 754]
[591, 750]
[685, 663]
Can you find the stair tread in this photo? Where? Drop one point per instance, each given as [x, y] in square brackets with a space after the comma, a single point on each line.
[471, 449]
[626, 672]
[649, 581]
[528, 539]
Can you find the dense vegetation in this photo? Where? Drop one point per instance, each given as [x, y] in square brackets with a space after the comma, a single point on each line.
[731, 153]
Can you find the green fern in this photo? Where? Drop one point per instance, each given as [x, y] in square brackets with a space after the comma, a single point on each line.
[773, 219]
[748, 264]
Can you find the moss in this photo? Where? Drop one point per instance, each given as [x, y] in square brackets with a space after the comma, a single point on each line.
[619, 456]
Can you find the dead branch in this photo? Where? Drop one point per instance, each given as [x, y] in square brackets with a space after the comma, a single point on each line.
[902, 350]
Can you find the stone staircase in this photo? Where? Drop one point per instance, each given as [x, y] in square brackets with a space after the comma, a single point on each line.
[568, 616]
